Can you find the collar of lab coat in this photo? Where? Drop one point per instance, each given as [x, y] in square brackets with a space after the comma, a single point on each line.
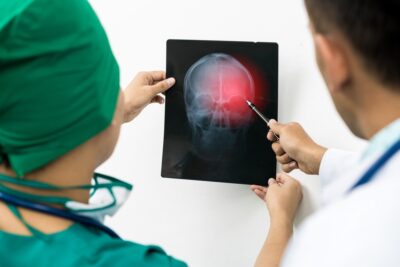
[384, 139]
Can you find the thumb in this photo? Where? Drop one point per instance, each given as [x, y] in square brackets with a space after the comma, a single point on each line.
[162, 86]
[271, 181]
[275, 126]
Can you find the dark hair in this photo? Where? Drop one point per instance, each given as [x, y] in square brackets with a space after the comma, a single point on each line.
[372, 27]
[4, 160]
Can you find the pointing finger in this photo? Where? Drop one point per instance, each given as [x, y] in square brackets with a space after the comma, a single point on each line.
[275, 126]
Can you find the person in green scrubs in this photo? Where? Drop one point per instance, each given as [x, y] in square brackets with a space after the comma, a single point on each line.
[61, 109]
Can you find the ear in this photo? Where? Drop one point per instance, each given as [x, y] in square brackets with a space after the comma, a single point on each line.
[333, 61]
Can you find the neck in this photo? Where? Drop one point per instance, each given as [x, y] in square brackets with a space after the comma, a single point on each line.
[69, 170]
[380, 108]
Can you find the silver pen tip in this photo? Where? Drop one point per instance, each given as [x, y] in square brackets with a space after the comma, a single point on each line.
[248, 102]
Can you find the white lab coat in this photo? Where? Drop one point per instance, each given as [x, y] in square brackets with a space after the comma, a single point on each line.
[356, 229]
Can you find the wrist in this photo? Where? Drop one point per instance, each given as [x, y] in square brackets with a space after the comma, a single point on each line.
[131, 111]
[282, 222]
[280, 231]
[316, 154]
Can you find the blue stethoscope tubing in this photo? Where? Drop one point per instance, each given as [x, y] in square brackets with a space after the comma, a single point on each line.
[16, 201]
[378, 165]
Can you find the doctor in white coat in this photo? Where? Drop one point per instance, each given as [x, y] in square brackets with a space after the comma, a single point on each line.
[358, 52]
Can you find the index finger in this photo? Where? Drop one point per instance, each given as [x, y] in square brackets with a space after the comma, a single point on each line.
[275, 126]
[259, 187]
[156, 76]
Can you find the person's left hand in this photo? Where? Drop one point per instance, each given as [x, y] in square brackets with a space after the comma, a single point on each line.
[282, 197]
[145, 88]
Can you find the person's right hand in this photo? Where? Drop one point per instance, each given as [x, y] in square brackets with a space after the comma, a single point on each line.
[295, 149]
[144, 89]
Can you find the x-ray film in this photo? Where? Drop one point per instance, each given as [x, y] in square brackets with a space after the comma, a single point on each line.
[210, 133]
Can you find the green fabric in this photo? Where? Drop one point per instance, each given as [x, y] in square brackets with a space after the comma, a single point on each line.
[80, 246]
[9, 9]
[59, 80]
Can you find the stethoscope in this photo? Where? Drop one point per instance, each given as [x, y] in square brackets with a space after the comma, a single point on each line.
[20, 202]
[370, 174]
[366, 178]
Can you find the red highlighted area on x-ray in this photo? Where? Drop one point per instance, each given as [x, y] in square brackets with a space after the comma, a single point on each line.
[216, 89]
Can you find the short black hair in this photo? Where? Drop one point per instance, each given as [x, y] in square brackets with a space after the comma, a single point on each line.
[372, 27]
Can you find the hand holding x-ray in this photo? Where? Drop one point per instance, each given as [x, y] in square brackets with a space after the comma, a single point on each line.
[144, 89]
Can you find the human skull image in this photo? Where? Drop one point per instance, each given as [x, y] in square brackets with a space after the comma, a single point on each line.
[216, 88]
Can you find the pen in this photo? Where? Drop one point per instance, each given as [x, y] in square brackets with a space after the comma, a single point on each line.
[265, 119]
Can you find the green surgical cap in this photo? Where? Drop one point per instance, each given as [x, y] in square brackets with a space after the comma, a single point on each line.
[59, 81]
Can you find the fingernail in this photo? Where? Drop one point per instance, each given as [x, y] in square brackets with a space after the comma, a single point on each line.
[293, 164]
[171, 81]
[271, 121]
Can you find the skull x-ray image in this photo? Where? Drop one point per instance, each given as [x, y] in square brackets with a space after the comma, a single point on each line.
[215, 90]
[210, 132]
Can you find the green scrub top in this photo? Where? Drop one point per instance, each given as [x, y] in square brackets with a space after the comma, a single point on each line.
[79, 246]
[59, 84]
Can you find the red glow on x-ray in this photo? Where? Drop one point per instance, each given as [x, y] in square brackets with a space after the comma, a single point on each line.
[260, 84]
[229, 87]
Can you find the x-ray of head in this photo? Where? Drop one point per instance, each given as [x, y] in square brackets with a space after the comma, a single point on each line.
[210, 132]
[216, 88]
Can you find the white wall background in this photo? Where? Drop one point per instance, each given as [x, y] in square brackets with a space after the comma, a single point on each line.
[210, 224]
